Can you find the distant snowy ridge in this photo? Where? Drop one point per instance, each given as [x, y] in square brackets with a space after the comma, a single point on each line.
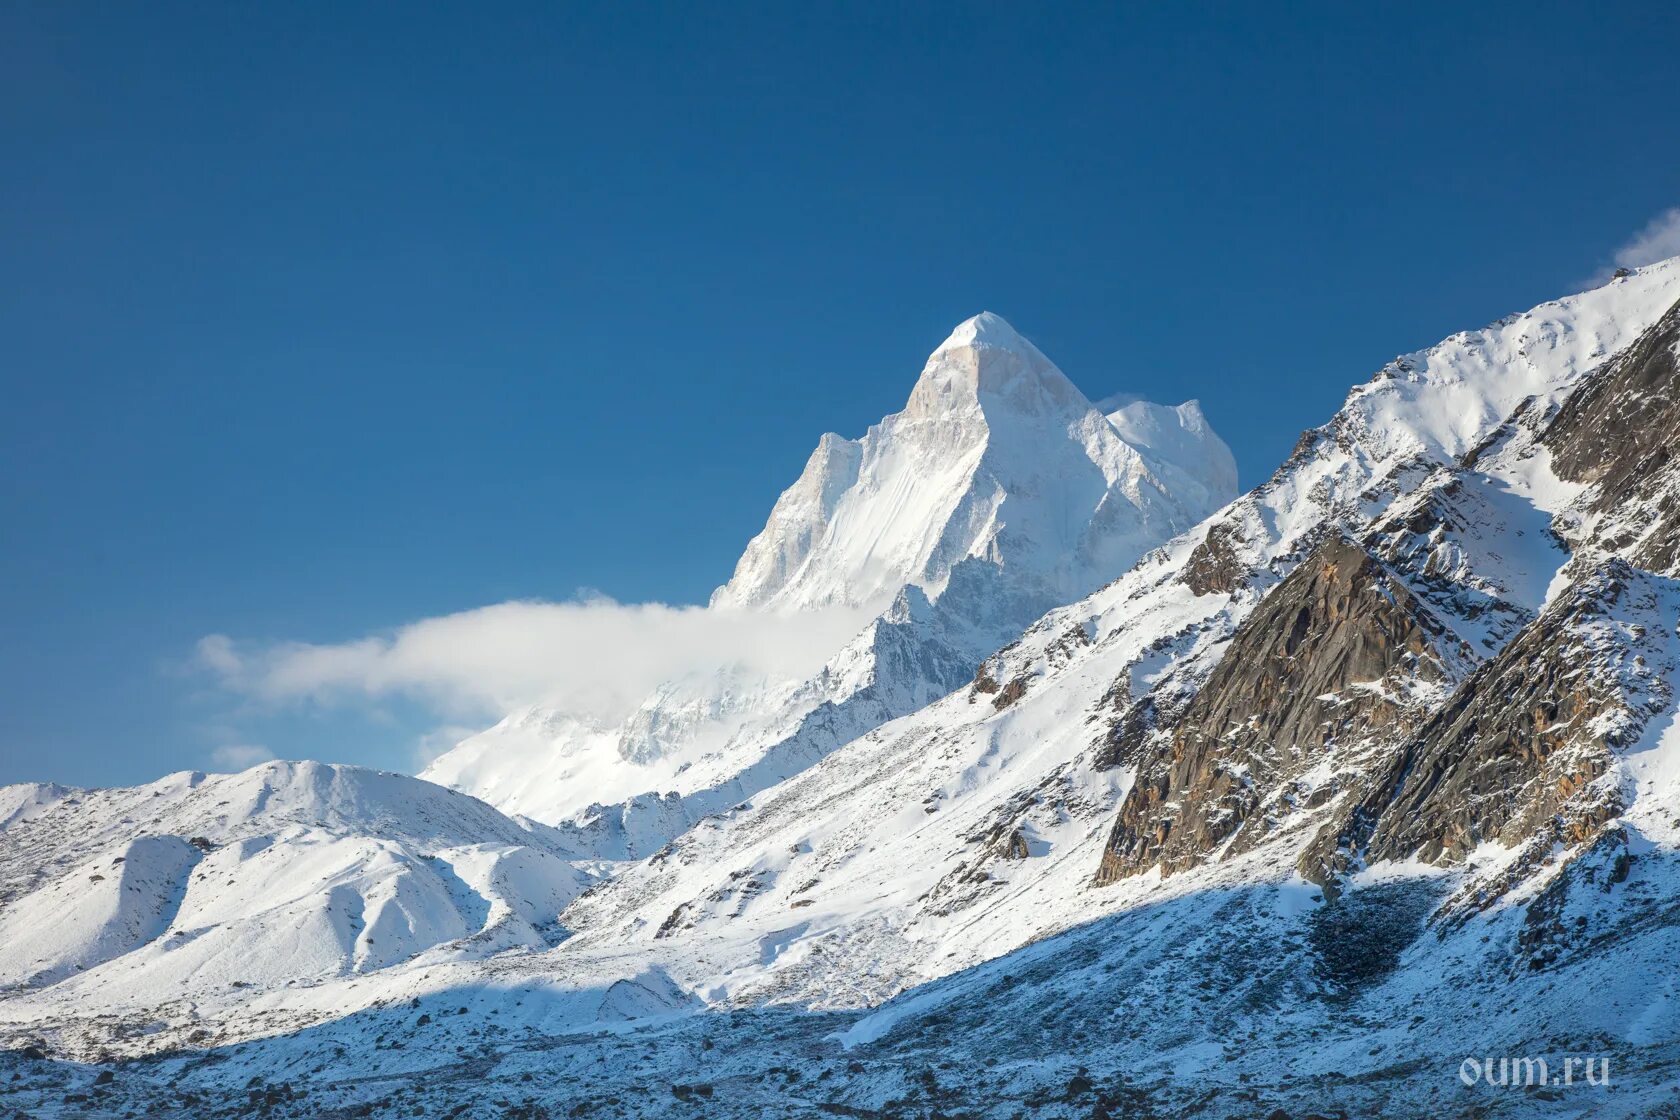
[287, 873]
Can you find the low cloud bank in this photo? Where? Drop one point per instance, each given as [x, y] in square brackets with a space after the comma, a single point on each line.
[594, 658]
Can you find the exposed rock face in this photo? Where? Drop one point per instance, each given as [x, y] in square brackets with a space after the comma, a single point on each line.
[1619, 434]
[1012, 692]
[1214, 564]
[1339, 656]
[1523, 752]
[1338, 701]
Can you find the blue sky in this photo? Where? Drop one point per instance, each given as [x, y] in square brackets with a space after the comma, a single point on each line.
[318, 320]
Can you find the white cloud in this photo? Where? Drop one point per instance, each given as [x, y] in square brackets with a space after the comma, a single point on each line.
[240, 756]
[1659, 240]
[216, 652]
[437, 741]
[594, 658]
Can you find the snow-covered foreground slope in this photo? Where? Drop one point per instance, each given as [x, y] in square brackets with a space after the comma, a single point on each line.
[999, 492]
[1370, 774]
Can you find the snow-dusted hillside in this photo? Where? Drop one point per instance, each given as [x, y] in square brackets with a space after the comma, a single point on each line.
[999, 492]
[1371, 772]
[286, 874]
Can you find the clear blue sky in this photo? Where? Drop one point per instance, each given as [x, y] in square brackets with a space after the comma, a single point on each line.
[317, 318]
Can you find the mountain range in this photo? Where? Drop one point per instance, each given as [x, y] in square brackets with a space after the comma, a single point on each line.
[1132, 796]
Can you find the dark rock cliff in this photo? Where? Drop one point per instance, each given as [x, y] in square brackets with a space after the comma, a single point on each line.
[1345, 708]
[1331, 660]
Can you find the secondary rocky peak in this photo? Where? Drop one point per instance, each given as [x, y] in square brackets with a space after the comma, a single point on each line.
[1617, 437]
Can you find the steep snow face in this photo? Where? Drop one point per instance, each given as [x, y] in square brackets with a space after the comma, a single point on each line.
[997, 493]
[1182, 442]
[996, 457]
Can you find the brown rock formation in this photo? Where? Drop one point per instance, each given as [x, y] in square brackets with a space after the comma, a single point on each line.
[1330, 661]
[1524, 748]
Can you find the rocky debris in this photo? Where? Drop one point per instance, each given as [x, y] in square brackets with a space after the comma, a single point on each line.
[1013, 691]
[1357, 938]
[1014, 846]
[1339, 654]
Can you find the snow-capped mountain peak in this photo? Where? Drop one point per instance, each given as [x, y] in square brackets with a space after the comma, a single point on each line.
[998, 457]
[998, 492]
[989, 330]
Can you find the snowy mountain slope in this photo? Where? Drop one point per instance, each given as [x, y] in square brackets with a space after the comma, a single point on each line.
[1217, 1003]
[287, 873]
[997, 493]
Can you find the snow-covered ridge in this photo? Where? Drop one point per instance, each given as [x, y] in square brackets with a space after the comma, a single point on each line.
[978, 822]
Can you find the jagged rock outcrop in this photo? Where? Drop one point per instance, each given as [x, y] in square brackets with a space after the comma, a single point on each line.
[1214, 564]
[1522, 754]
[1525, 753]
[1340, 654]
